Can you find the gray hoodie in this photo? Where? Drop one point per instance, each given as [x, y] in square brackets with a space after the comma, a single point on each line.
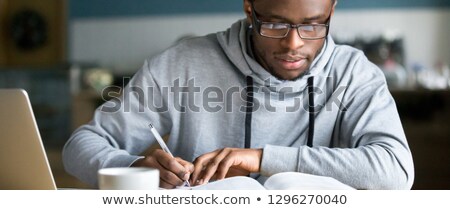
[338, 120]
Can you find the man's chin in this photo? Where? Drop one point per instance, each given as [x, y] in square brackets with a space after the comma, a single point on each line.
[289, 75]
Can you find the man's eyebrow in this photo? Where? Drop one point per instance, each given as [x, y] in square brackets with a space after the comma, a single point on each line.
[274, 16]
[309, 19]
[279, 17]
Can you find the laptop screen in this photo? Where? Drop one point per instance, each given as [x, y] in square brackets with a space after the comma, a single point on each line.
[23, 161]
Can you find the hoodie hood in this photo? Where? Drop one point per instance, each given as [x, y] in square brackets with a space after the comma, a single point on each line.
[237, 50]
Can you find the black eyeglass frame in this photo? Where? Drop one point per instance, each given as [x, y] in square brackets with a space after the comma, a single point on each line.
[258, 24]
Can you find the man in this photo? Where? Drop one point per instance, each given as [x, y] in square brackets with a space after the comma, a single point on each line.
[276, 94]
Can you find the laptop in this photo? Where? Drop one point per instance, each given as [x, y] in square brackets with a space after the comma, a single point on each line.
[23, 161]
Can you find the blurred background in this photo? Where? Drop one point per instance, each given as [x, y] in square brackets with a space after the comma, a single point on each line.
[64, 52]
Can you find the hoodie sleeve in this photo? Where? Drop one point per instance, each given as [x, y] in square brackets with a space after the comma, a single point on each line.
[371, 150]
[119, 130]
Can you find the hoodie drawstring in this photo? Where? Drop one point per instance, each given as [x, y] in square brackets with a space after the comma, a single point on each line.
[311, 111]
[249, 111]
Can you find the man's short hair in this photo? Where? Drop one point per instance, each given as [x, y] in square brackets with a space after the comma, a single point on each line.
[331, 1]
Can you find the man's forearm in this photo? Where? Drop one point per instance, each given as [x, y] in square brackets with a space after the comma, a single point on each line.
[367, 167]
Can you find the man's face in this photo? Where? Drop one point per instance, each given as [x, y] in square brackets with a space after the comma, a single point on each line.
[288, 58]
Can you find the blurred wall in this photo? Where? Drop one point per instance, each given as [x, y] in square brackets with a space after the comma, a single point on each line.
[121, 34]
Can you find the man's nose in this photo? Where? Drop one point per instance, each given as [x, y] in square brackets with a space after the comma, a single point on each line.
[293, 41]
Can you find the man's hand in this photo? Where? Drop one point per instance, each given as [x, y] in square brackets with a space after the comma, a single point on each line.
[226, 162]
[172, 171]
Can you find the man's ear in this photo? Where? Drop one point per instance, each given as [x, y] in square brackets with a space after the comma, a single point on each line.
[334, 7]
[248, 11]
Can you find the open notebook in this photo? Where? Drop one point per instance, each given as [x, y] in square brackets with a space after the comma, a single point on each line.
[280, 181]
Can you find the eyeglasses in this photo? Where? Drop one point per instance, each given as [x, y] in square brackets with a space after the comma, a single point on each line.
[281, 30]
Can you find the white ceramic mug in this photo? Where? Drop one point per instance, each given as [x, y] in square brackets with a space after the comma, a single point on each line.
[133, 178]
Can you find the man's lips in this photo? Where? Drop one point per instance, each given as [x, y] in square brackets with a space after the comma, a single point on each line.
[291, 63]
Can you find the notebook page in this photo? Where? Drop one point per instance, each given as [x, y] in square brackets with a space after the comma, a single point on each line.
[301, 181]
[232, 183]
